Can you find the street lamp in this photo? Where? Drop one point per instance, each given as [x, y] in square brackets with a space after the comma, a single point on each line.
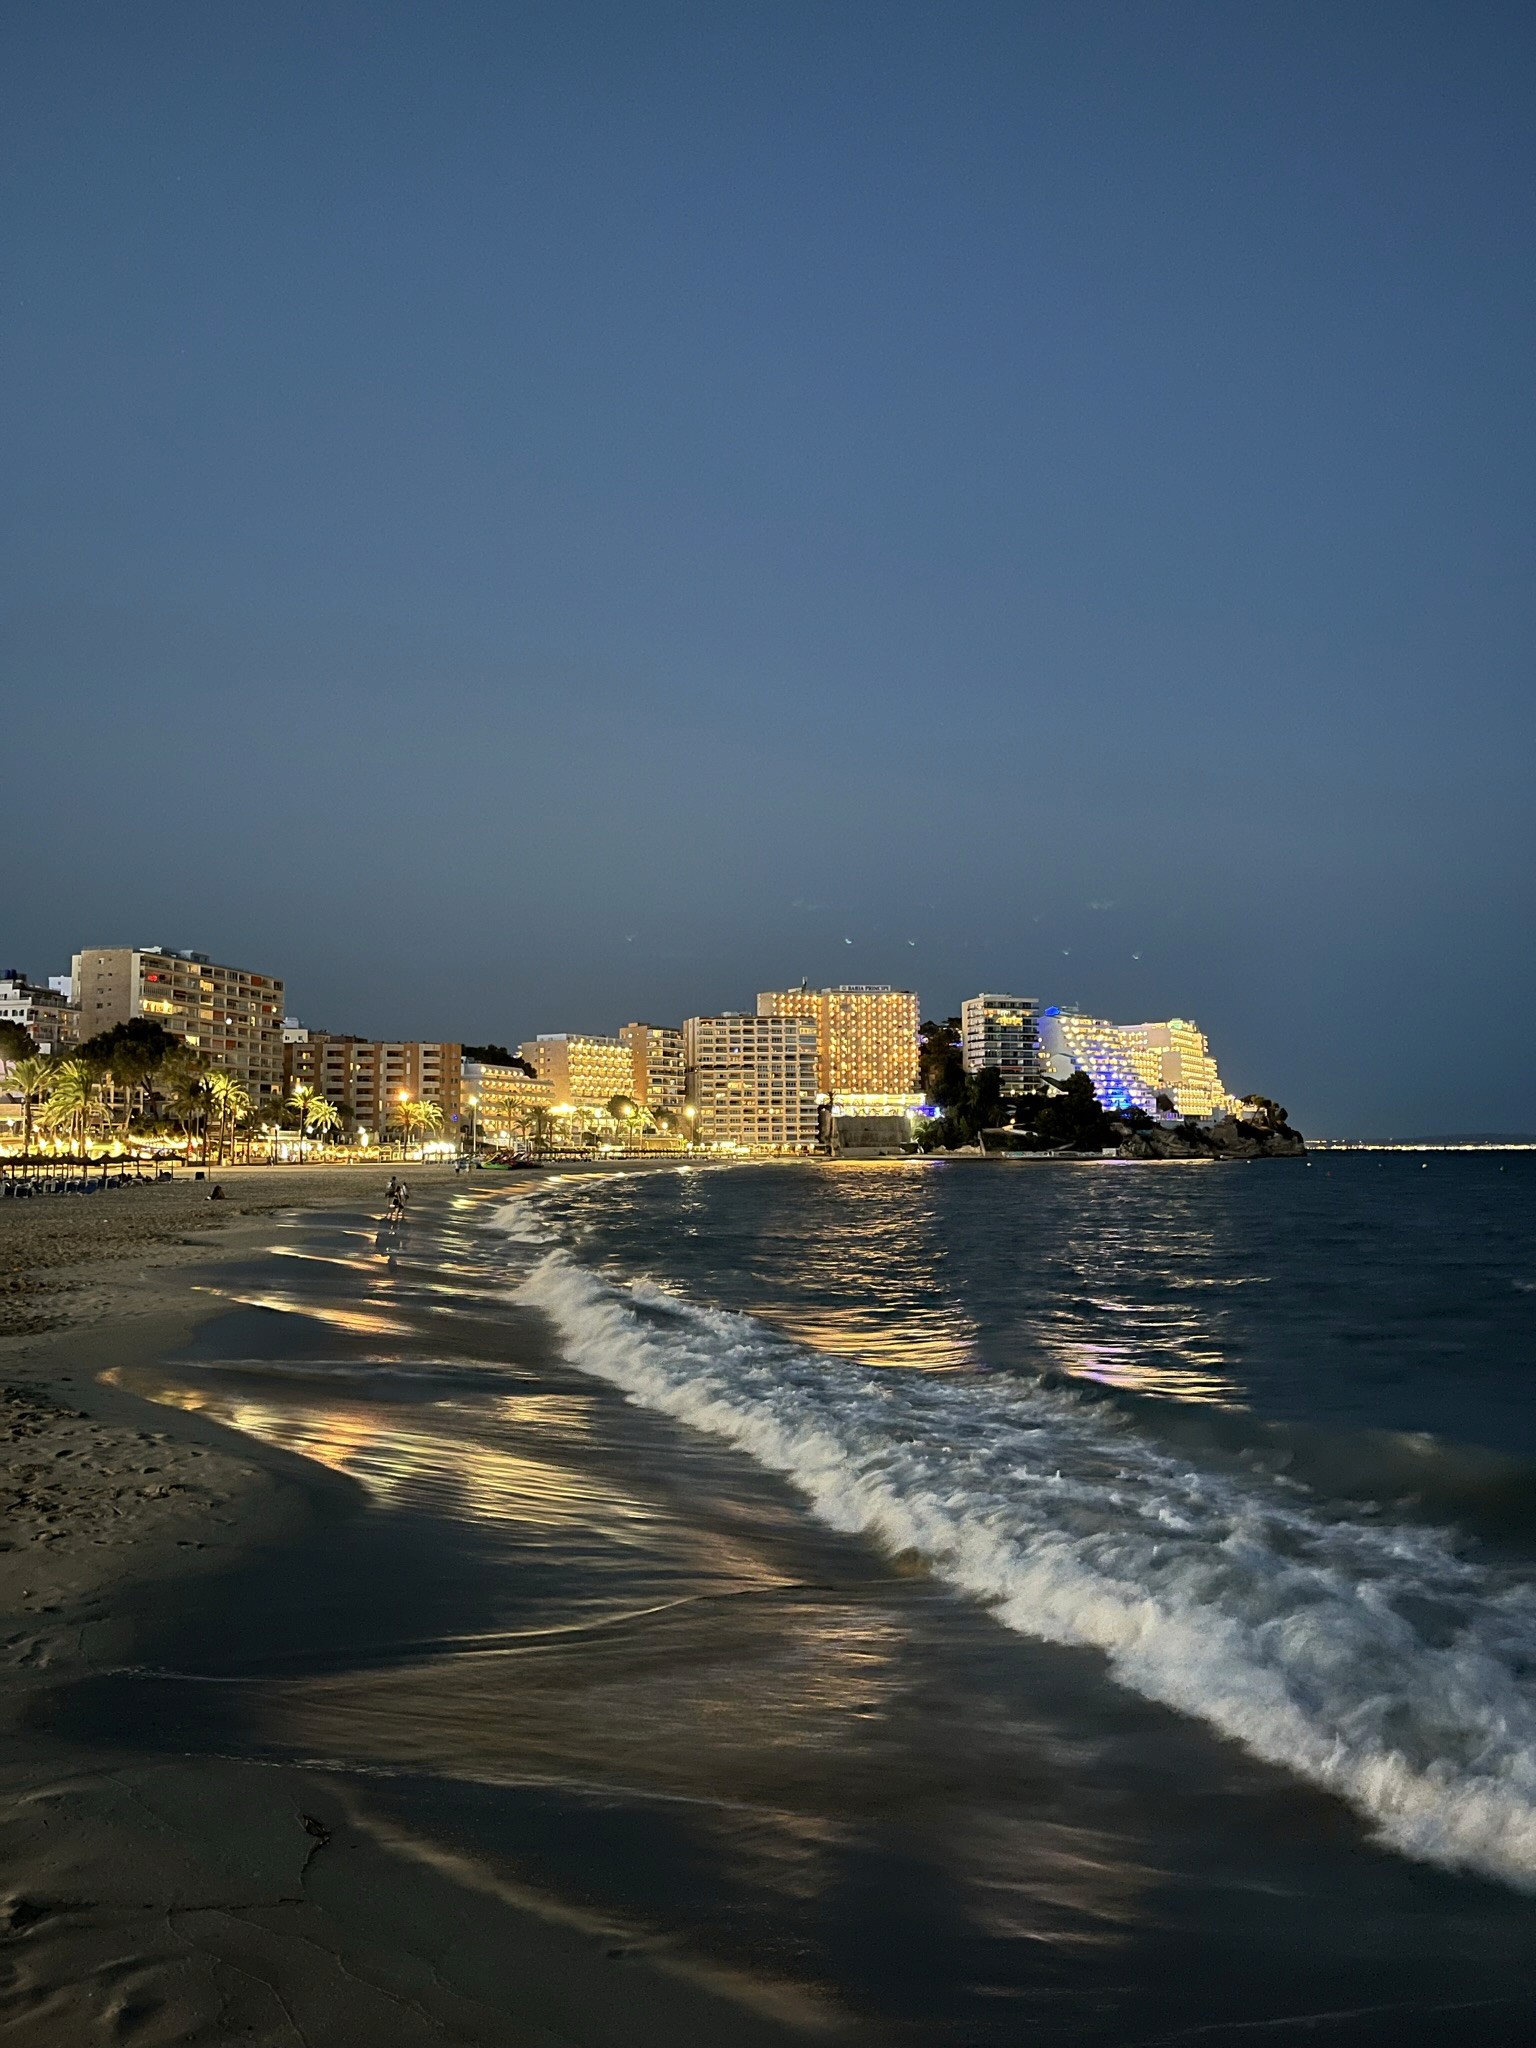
[474, 1128]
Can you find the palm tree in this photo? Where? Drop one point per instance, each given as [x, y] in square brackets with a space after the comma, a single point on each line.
[74, 1097]
[32, 1077]
[186, 1080]
[231, 1099]
[414, 1120]
[300, 1100]
[322, 1115]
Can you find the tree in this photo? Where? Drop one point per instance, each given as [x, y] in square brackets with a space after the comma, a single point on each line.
[321, 1116]
[230, 1097]
[74, 1100]
[543, 1132]
[31, 1077]
[16, 1041]
[1072, 1119]
[139, 1057]
[415, 1121]
[971, 1103]
[498, 1056]
[130, 1054]
[940, 1063]
[186, 1084]
[299, 1101]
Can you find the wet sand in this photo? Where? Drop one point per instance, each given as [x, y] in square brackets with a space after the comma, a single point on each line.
[192, 1898]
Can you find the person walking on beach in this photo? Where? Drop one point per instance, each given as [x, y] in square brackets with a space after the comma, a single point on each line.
[395, 1195]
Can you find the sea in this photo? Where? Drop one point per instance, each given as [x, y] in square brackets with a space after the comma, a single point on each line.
[950, 1601]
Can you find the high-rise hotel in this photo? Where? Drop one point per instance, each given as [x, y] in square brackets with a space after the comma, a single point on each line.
[866, 1044]
[999, 1031]
[658, 1076]
[752, 1081]
[232, 1017]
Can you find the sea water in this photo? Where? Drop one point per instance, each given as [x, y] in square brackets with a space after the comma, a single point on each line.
[969, 1601]
[1265, 1437]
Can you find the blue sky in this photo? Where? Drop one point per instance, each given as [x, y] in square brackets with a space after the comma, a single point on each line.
[521, 517]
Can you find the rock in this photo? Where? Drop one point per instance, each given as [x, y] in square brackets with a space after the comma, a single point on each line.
[1229, 1139]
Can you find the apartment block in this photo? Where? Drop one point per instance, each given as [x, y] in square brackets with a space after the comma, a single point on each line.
[658, 1071]
[367, 1077]
[584, 1070]
[45, 1013]
[233, 1017]
[499, 1104]
[866, 1044]
[752, 1081]
[1000, 1031]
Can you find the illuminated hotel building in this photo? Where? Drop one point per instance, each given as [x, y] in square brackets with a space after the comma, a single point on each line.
[584, 1071]
[999, 1031]
[499, 1104]
[866, 1044]
[1072, 1043]
[232, 1017]
[368, 1077]
[1174, 1059]
[752, 1081]
[658, 1077]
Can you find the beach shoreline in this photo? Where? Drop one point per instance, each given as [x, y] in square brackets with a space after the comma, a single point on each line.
[195, 1899]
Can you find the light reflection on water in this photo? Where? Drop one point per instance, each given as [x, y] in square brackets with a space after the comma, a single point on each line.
[339, 1315]
[1166, 1350]
[877, 1265]
[741, 1725]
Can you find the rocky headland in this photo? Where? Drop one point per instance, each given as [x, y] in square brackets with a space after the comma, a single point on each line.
[1229, 1139]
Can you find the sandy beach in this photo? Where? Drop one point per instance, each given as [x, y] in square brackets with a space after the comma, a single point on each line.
[158, 1899]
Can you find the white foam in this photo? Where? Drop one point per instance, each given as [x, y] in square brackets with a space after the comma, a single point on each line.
[520, 1220]
[1370, 1658]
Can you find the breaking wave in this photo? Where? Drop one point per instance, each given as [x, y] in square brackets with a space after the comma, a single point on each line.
[1368, 1655]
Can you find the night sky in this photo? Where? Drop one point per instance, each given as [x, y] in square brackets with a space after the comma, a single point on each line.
[520, 517]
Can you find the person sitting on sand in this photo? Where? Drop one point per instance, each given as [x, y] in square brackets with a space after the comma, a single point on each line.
[215, 1193]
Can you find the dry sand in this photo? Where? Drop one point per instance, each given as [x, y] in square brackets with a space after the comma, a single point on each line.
[154, 1899]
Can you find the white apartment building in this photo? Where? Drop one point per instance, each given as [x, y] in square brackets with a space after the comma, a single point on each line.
[584, 1070]
[232, 1017]
[1000, 1031]
[752, 1081]
[44, 1013]
[658, 1070]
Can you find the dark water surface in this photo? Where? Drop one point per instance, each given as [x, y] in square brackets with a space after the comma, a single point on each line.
[992, 1603]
